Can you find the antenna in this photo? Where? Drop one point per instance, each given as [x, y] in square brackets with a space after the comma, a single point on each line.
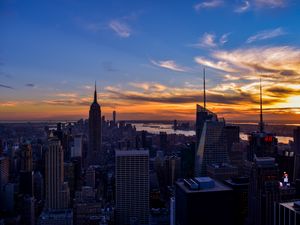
[261, 122]
[204, 91]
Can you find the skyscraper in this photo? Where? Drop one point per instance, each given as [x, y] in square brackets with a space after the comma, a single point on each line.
[95, 133]
[297, 154]
[132, 187]
[114, 117]
[261, 143]
[212, 147]
[263, 191]
[57, 196]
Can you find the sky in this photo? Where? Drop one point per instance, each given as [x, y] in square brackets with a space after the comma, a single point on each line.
[147, 58]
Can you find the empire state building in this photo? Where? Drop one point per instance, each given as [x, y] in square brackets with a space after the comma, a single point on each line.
[95, 134]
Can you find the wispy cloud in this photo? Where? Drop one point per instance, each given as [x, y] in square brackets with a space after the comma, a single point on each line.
[169, 64]
[30, 85]
[219, 65]
[209, 40]
[245, 6]
[208, 4]
[266, 34]
[120, 27]
[224, 38]
[5, 86]
[270, 3]
[67, 95]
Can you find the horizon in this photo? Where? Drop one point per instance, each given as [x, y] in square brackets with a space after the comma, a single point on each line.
[51, 53]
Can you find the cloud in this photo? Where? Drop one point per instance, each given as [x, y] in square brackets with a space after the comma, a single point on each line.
[207, 40]
[67, 94]
[270, 3]
[208, 4]
[149, 86]
[270, 60]
[29, 85]
[5, 86]
[224, 38]
[169, 64]
[120, 27]
[219, 65]
[243, 8]
[266, 34]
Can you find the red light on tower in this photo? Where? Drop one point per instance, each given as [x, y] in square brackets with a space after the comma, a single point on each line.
[268, 139]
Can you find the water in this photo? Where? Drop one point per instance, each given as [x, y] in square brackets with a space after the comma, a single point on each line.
[155, 128]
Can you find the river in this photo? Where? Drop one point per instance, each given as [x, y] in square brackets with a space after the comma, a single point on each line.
[155, 128]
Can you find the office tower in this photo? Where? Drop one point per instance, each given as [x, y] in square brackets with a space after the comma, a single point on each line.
[4, 178]
[261, 143]
[240, 192]
[287, 213]
[26, 157]
[4, 171]
[222, 171]
[57, 194]
[202, 114]
[78, 145]
[263, 191]
[297, 154]
[163, 141]
[38, 186]
[203, 200]
[232, 134]
[212, 147]
[85, 206]
[90, 177]
[172, 169]
[132, 187]
[95, 133]
[114, 117]
[28, 211]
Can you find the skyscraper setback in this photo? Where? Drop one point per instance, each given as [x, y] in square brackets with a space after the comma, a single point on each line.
[95, 133]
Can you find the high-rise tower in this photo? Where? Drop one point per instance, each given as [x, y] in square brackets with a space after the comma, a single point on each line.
[57, 192]
[95, 134]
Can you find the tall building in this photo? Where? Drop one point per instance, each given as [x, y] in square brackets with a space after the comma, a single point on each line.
[261, 143]
[212, 147]
[287, 213]
[57, 194]
[263, 191]
[114, 117]
[26, 157]
[202, 200]
[132, 187]
[95, 133]
[232, 136]
[4, 171]
[297, 154]
[172, 169]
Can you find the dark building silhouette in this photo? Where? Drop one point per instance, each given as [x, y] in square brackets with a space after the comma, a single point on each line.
[232, 134]
[95, 133]
[297, 154]
[263, 191]
[203, 200]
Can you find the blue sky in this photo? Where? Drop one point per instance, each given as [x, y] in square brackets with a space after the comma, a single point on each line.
[53, 51]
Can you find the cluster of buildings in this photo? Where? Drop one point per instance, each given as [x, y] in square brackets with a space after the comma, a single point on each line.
[99, 172]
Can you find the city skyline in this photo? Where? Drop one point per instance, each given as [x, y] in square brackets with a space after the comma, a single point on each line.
[148, 59]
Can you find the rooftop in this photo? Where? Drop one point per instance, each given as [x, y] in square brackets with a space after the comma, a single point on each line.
[217, 186]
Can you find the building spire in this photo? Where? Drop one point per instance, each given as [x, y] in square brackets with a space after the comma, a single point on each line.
[95, 93]
[261, 122]
[204, 91]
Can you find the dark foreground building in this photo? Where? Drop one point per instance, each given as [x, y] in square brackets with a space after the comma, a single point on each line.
[203, 200]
